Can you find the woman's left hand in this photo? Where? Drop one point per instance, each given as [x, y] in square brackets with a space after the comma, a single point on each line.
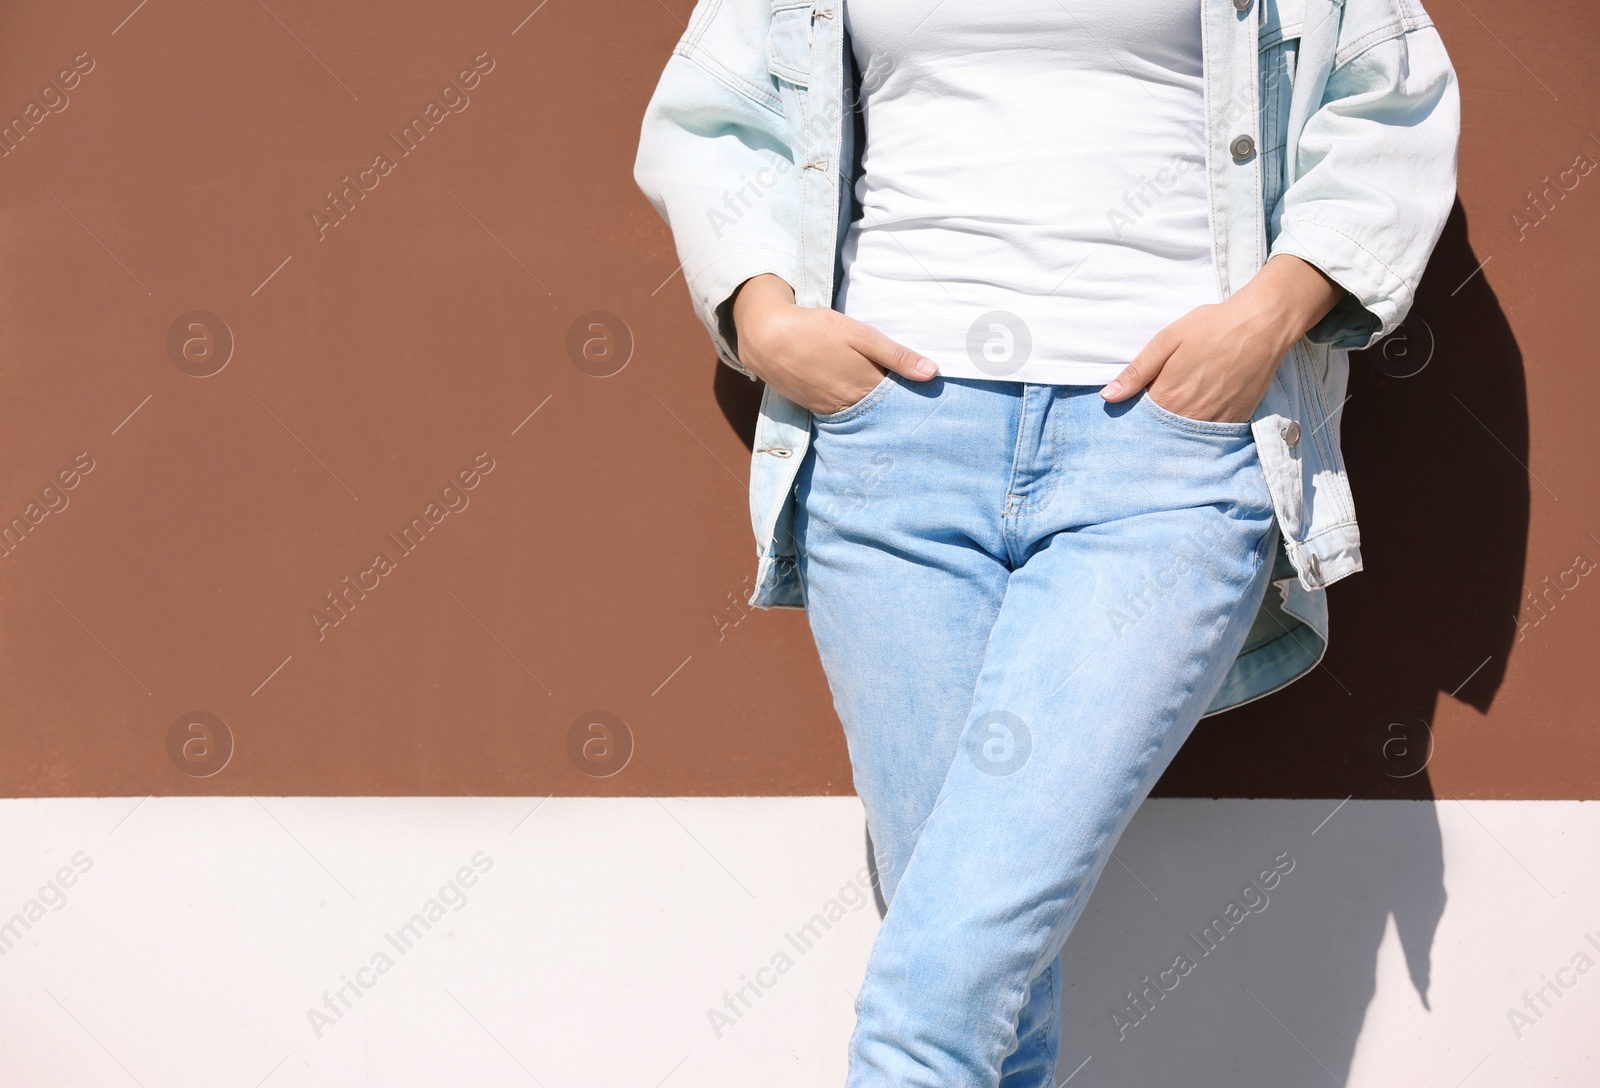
[1215, 362]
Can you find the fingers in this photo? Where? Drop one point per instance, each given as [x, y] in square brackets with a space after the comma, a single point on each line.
[1125, 385]
[891, 355]
[1143, 370]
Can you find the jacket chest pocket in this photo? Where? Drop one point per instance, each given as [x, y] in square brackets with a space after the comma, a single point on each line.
[789, 42]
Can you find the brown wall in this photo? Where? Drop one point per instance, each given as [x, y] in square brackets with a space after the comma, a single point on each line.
[601, 564]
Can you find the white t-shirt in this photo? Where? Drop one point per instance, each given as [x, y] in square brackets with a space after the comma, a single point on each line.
[1034, 196]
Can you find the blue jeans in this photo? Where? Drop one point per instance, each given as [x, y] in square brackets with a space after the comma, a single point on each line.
[1024, 598]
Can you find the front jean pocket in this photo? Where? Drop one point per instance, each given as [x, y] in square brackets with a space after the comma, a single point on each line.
[1191, 426]
[860, 407]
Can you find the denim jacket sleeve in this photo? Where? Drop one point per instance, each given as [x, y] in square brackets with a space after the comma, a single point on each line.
[714, 159]
[1375, 173]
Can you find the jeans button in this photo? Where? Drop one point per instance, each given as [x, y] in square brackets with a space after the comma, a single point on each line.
[1241, 5]
[1291, 434]
[1242, 148]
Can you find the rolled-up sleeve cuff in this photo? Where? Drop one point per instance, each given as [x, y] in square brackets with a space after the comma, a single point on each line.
[1376, 297]
[712, 286]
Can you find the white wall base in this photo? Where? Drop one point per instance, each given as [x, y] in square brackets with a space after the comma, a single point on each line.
[199, 937]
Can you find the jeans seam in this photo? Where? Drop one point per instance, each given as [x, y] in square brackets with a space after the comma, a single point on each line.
[1214, 428]
[1000, 1039]
[1039, 500]
[1016, 451]
[1053, 1050]
[860, 407]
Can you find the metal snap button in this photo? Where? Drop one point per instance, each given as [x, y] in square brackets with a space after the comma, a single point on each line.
[1242, 147]
[1241, 5]
[1291, 434]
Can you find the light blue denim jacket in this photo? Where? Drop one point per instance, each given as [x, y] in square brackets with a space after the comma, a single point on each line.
[1331, 131]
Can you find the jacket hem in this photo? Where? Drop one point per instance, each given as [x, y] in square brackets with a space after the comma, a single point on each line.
[1272, 665]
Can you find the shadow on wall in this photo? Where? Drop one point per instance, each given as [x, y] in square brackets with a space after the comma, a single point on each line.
[1277, 997]
[1435, 434]
[740, 401]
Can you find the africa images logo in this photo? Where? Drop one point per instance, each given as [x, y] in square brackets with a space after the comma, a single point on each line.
[453, 98]
[342, 600]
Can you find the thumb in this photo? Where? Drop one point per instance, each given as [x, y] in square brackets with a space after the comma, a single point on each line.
[894, 356]
[1142, 371]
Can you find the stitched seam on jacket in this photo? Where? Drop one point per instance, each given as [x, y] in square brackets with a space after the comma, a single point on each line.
[1323, 438]
[698, 22]
[729, 78]
[1342, 527]
[801, 157]
[1380, 262]
[1278, 37]
[726, 257]
[1278, 60]
[1388, 32]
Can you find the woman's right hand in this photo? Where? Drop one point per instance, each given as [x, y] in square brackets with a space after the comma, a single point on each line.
[814, 356]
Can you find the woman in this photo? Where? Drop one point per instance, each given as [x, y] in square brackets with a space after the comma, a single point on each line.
[1052, 301]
